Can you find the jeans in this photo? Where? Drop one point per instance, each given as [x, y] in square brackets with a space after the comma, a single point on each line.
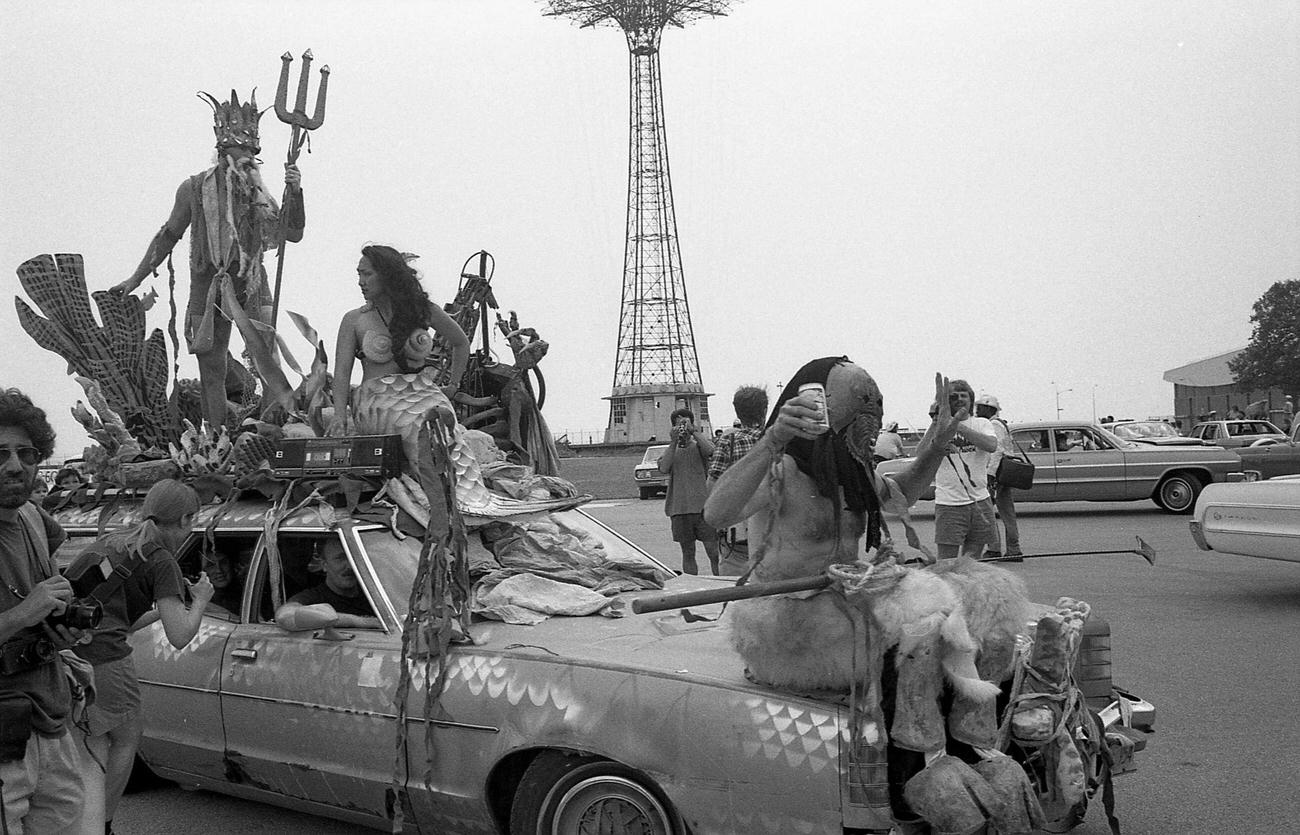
[1007, 511]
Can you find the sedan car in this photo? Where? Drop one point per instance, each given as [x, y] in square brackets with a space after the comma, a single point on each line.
[1082, 462]
[637, 724]
[1259, 519]
[1236, 433]
[649, 480]
[1272, 458]
[1155, 432]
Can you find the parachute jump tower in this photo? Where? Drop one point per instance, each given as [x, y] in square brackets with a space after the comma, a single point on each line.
[656, 368]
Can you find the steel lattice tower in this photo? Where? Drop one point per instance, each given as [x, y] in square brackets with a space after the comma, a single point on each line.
[656, 368]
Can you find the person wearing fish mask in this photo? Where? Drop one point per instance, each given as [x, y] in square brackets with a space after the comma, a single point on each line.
[811, 493]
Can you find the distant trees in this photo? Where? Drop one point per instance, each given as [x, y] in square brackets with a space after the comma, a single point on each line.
[1272, 359]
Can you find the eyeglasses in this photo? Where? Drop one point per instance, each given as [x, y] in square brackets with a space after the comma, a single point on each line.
[28, 456]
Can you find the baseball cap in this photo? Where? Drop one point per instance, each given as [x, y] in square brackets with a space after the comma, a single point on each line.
[987, 400]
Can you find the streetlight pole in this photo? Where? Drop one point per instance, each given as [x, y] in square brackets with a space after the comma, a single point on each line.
[1059, 392]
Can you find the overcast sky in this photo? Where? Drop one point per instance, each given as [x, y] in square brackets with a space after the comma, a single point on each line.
[1038, 197]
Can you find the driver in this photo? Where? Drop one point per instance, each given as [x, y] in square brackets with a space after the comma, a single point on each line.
[335, 601]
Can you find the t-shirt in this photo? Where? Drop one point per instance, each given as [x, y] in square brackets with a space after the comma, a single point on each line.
[157, 578]
[1004, 445]
[23, 565]
[343, 605]
[963, 475]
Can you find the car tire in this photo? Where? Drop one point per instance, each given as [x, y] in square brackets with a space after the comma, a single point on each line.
[569, 793]
[1177, 493]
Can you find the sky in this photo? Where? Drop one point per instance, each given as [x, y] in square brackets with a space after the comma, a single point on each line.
[1057, 202]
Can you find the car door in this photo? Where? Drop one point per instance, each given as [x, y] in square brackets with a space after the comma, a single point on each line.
[180, 688]
[307, 713]
[1088, 466]
[1036, 445]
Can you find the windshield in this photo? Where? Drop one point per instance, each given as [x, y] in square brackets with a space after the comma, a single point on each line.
[653, 454]
[395, 560]
[1153, 429]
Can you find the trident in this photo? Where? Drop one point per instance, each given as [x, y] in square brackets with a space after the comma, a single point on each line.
[301, 124]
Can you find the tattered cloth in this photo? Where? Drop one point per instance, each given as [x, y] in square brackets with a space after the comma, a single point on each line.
[547, 567]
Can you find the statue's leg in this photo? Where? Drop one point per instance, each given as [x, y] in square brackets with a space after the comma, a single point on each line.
[212, 375]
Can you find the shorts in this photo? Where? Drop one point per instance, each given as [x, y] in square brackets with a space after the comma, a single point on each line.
[117, 696]
[43, 792]
[964, 524]
[688, 527]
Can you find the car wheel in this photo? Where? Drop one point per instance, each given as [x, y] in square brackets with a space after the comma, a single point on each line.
[1178, 492]
[565, 794]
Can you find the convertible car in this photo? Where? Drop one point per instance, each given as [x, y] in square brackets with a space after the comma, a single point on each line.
[1082, 462]
[635, 724]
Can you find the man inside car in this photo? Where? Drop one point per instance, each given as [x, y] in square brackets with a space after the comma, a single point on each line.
[336, 601]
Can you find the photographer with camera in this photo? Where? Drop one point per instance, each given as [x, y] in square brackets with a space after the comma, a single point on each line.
[685, 461]
[143, 573]
[40, 784]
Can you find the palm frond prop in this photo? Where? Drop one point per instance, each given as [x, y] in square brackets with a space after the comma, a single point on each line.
[131, 370]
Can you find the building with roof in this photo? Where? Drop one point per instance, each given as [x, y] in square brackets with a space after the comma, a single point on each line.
[1207, 389]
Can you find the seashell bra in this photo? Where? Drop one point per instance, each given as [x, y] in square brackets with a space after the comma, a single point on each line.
[377, 346]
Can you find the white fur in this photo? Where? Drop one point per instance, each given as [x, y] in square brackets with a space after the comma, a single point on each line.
[808, 643]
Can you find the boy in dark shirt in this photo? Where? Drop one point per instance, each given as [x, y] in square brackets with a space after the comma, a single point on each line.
[337, 601]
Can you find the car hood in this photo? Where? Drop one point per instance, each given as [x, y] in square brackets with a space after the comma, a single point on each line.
[659, 643]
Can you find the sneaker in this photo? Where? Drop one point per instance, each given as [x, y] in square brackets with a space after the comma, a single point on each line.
[991, 555]
[1015, 555]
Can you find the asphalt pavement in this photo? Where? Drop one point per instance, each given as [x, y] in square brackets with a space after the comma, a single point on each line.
[1211, 640]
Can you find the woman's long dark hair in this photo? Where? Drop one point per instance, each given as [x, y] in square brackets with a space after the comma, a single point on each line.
[409, 300]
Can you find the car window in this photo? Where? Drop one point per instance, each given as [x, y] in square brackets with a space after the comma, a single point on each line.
[226, 557]
[1209, 432]
[1032, 440]
[653, 454]
[301, 569]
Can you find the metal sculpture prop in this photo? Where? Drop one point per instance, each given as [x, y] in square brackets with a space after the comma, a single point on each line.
[302, 125]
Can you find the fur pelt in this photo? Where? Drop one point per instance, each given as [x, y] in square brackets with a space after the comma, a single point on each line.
[808, 643]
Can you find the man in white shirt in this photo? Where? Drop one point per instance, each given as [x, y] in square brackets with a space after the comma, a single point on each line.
[987, 406]
[963, 510]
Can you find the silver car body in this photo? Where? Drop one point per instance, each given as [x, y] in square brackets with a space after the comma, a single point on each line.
[297, 720]
[1259, 519]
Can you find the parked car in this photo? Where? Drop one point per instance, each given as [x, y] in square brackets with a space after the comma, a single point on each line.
[642, 723]
[649, 480]
[1151, 432]
[1235, 433]
[1272, 458]
[1258, 519]
[1080, 461]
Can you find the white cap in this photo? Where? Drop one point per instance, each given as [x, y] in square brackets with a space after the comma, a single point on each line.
[988, 400]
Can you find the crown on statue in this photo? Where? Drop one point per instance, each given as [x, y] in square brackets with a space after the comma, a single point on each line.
[235, 124]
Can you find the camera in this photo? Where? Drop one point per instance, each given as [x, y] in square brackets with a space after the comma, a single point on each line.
[25, 652]
[80, 614]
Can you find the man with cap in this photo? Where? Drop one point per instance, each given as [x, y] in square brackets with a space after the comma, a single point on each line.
[114, 720]
[987, 406]
[890, 444]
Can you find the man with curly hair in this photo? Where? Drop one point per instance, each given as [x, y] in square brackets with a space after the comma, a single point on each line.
[39, 781]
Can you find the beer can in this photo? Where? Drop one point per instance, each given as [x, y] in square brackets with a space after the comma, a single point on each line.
[818, 392]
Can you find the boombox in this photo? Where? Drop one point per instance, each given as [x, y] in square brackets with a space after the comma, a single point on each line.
[366, 455]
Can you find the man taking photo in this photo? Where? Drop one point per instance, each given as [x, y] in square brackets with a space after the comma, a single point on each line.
[40, 787]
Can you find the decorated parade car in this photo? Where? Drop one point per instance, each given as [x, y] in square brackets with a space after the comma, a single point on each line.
[577, 712]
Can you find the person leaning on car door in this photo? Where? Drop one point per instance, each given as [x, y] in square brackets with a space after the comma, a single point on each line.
[114, 721]
[40, 786]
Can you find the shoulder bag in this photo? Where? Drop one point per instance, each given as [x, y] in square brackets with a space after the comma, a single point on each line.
[1016, 472]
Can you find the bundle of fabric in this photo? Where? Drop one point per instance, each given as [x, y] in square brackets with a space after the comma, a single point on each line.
[546, 567]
